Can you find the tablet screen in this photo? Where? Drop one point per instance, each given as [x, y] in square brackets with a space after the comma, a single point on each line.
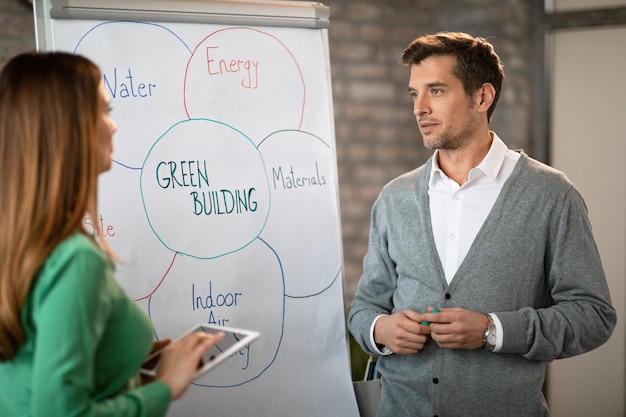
[235, 342]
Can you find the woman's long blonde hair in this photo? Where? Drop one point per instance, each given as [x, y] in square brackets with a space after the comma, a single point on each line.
[48, 170]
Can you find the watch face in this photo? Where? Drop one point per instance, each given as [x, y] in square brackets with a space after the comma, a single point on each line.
[491, 335]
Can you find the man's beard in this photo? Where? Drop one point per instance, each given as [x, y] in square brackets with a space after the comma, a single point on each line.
[447, 141]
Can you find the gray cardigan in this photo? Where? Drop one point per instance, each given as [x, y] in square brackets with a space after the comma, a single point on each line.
[534, 263]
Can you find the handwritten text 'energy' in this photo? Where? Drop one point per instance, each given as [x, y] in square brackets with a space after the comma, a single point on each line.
[218, 66]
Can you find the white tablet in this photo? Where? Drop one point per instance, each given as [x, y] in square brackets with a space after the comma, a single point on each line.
[234, 339]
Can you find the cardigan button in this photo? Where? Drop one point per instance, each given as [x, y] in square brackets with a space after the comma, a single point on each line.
[435, 380]
[448, 296]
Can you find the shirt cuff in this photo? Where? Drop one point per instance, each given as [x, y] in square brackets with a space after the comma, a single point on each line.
[499, 332]
[385, 350]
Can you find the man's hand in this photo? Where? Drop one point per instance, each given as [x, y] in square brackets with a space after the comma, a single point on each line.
[457, 328]
[402, 332]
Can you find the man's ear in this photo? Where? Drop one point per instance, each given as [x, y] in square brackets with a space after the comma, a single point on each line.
[484, 96]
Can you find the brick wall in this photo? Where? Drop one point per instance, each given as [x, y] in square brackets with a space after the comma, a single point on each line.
[376, 133]
[377, 137]
[17, 30]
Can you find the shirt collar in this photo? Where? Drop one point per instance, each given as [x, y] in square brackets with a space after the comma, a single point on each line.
[492, 162]
[490, 165]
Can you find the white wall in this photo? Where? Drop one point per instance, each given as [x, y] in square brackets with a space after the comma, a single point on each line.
[589, 144]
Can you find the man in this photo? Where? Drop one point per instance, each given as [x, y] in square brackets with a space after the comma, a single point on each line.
[497, 242]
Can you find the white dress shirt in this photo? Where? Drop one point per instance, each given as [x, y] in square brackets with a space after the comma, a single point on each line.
[458, 211]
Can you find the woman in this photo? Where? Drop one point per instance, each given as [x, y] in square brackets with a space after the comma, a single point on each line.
[71, 341]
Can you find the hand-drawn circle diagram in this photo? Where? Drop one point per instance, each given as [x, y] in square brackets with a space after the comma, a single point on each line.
[301, 173]
[259, 72]
[140, 86]
[243, 289]
[197, 201]
[211, 226]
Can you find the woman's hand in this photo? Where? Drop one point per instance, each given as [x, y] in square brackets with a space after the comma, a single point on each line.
[151, 363]
[180, 360]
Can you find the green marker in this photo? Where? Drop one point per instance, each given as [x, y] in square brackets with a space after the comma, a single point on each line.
[426, 323]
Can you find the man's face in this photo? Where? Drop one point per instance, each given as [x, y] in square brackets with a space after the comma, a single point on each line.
[445, 114]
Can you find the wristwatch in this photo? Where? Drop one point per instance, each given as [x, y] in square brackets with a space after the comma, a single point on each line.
[490, 335]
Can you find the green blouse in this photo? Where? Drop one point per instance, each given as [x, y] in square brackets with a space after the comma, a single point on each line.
[86, 340]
